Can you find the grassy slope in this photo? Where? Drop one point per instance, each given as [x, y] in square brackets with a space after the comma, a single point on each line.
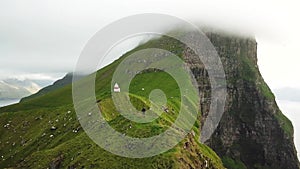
[28, 141]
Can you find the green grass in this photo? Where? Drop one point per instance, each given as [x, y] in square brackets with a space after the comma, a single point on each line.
[248, 71]
[76, 149]
[233, 164]
[266, 90]
[285, 123]
[27, 142]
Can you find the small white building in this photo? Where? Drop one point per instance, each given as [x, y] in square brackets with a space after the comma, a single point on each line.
[117, 88]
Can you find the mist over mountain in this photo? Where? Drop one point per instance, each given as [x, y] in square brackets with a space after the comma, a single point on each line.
[14, 88]
[252, 134]
[67, 79]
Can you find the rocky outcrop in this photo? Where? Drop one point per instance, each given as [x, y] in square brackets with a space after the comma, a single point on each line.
[252, 133]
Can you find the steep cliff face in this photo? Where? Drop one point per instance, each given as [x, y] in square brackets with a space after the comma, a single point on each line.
[44, 132]
[253, 133]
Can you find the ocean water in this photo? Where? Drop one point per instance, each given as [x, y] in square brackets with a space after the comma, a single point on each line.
[292, 110]
[7, 102]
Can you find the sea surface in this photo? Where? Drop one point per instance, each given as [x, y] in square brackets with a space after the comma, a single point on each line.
[6, 102]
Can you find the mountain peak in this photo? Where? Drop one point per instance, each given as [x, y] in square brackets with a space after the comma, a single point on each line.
[253, 133]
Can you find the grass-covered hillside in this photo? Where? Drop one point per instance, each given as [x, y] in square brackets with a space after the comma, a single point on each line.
[44, 132]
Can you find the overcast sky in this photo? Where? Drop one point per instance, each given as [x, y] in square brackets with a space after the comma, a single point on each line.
[42, 39]
[46, 37]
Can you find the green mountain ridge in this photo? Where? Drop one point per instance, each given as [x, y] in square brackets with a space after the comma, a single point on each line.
[54, 139]
[43, 131]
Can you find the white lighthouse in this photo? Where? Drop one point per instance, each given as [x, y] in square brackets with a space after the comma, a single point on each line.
[117, 88]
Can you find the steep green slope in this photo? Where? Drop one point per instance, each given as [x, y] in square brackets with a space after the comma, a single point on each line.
[52, 136]
[44, 131]
[252, 134]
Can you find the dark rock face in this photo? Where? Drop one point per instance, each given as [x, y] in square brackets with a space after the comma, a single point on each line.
[252, 131]
[56, 163]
